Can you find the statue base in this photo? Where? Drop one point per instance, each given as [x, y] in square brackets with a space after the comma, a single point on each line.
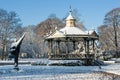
[16, 68]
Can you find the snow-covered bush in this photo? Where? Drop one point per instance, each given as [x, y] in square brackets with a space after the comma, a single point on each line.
[65, 63]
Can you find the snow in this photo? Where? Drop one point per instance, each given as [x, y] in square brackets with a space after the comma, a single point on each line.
[70, 16]
[74, 62]
[29, 72]
[113, 68]
[44, 72]
[109, 62]
[73, 31]
[57, 34]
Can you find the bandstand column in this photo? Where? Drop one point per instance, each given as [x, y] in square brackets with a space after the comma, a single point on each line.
[94, 49]
[49, 48]
[74, 46]
[93, 45]
[85, 45]
[58, 47]
[66, 46]
[55, 47]
[87, 55]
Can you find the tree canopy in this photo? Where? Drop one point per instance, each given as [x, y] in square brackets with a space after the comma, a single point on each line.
[9, 21]
[110, 31]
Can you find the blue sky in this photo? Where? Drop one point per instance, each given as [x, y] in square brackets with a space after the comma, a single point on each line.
[32, 12]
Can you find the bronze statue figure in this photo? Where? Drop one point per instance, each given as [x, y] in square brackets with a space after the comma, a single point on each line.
[15, 49]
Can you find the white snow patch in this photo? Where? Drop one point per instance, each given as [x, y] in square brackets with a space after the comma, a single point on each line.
[28, 72]
[73, 31]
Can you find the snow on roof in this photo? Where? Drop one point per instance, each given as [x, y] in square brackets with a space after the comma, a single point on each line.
[89, 32]
[73, 31]
[93, 33]
[69, 17]
[57, 34]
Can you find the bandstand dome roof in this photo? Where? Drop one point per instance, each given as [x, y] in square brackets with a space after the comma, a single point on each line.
[70, 30]
[57, 34]
[73, 31]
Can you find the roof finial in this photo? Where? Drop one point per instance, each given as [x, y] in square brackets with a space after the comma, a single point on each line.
[70, 9]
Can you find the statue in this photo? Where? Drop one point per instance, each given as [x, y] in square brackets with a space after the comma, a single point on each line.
[15, 49]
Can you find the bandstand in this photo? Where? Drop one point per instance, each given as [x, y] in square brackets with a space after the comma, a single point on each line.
[72, 36]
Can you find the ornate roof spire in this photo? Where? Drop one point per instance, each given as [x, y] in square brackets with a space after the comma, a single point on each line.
[70, 9]
[70, 21]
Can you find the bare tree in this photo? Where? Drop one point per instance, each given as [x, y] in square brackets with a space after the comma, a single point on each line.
[49, 25]
[8, 22]
[32, 43]
[106, 38]
[112, 19]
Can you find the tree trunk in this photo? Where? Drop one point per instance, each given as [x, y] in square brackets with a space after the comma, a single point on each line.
[116, 45]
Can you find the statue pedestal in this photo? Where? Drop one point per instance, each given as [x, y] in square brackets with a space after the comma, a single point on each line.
[16, 68]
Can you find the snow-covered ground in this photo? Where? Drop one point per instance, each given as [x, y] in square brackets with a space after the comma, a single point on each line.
[113, 68]
[29, 72]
